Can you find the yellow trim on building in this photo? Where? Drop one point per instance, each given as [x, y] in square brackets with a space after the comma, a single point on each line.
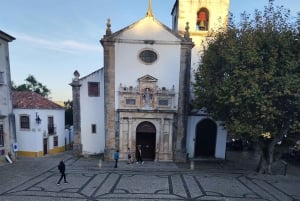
[56, 150]
[30, 153]
[40, 153]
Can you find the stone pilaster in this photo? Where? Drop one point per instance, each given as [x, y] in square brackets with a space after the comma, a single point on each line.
[183, 98]
[77, 147]
[109, 96]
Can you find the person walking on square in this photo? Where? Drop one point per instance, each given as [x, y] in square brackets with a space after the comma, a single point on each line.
[139, 155]
[116, 157]
[129, 155]
[62, 169]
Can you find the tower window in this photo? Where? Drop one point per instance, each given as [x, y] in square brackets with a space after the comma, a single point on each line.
[202, 19]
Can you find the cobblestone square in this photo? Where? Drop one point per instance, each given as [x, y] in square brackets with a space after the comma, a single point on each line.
[150, 181]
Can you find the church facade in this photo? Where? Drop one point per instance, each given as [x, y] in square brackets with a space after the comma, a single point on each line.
[141, 97]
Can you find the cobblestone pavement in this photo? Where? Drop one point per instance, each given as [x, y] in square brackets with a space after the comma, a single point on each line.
[230, 180]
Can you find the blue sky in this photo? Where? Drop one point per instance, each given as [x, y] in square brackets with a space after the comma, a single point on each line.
[56, 37]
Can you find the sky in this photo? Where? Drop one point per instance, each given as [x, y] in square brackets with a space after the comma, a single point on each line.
[56, 37]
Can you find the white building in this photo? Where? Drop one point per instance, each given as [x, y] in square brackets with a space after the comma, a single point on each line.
[92, 123]
[142, 94]
[40, 124]
[7, 135]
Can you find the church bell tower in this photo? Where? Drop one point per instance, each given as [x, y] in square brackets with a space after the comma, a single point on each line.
[204, 18]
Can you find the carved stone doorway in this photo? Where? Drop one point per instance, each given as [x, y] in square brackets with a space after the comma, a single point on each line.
[146, 137]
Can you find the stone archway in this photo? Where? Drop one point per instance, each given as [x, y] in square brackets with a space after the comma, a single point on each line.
[205, 138]
[146, 137]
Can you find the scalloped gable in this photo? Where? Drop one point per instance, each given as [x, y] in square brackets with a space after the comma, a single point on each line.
[147, 28]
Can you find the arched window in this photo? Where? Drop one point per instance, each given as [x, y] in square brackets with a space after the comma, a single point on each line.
[202, 19]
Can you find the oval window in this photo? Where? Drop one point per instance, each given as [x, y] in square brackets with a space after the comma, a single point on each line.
[148, 56]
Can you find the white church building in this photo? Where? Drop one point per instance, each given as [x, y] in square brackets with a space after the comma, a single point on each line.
[142, 94]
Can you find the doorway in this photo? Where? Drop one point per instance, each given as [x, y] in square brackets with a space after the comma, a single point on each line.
[146, 137]
[45, 146]
[205, 141]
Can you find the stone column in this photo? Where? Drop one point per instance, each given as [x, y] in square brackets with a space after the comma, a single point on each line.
[130, 133]
[108, 44]
[183, 97]
[77, 147]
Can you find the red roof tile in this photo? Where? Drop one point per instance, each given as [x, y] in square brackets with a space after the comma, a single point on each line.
[32, 100]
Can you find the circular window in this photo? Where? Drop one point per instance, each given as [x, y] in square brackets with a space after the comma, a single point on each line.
[148, 56]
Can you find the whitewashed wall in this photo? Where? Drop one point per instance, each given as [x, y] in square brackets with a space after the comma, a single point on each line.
[191, 136]
[92, 112]
[128, 65]
[31, 140]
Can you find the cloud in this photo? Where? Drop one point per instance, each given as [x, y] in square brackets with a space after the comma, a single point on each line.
[70, 46]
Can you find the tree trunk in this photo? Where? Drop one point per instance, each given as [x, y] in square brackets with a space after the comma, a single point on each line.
[267, 148]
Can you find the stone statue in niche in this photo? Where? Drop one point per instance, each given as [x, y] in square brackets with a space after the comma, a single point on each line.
[147, 98]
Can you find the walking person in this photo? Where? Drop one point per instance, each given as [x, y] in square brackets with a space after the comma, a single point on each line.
[116, 157]
[129, 155]
[62, 169]
[139, 155]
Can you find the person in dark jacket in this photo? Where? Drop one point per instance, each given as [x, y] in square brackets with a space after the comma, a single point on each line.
[139, 155]
[62, 169]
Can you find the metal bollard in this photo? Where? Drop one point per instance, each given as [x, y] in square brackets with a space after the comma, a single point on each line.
[100, 163]
[192, 164]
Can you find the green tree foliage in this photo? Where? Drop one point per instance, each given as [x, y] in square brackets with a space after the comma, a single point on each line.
[31, 84]
[68, 113]
[250, 77]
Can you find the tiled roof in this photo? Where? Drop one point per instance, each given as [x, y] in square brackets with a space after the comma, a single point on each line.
[32, 100]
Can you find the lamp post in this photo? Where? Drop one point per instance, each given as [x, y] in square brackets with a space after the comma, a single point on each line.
[37, 118]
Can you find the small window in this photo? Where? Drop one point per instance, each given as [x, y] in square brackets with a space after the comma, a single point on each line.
[55, 141]
[163, 102]
[1, 136]
[130, 101]
[93, 89]
[1, 77]
[51, 127]
[148, 56]
[24, 122]
[94, 128]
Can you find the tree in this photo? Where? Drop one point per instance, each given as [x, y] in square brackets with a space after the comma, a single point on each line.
[68, 113]
[249, 78]
[32, 85]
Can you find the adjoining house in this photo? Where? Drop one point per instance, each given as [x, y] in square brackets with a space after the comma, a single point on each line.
[7, 134]
[40, 124]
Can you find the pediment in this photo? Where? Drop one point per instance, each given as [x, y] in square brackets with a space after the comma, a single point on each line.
[147, 78]
[147, 28]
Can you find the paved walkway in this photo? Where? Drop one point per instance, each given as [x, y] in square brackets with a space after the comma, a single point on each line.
[230, 180]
